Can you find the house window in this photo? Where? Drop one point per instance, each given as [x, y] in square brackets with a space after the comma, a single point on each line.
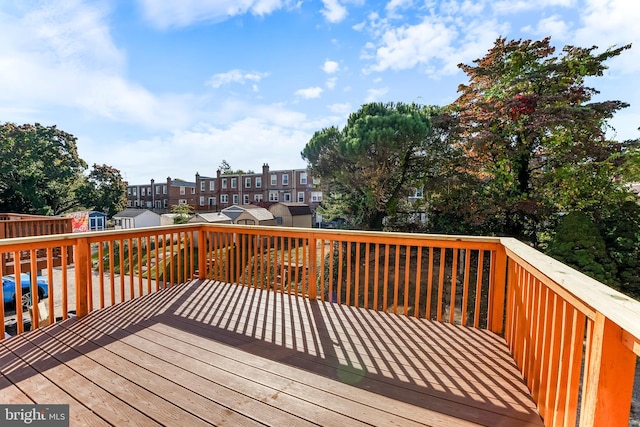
[201, 200]
[182, 191]
[234, 182]
[212, 201]
[203, 185]
[224, 198]
[149, 190]
[235, 199]
[287, 197]
[245, 199]
[135, 191]
[258, 182]
[182, 201]
[128, 191]
[157, 189]
[212, 185]
[273, 196]
[224, 182]
[165, 203]
[257, 197]
[193, 190]
[300, 196]
[128, 203]
[149, 204]
[303, 178]
[158, 204]
[274, 179]
[285, 179]
[247, 183]
[142, 192]
[164, 190]
[316, 181]
[316, 196]
[279, 220]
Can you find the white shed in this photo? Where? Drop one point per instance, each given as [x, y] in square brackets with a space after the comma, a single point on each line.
[136, 218]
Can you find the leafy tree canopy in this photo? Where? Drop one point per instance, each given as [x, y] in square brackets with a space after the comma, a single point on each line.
[104, 190]
[383, 152]
[534, 141]
[40, 169]
[42, 173]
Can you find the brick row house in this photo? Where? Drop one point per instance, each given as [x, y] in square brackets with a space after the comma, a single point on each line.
[212, 194]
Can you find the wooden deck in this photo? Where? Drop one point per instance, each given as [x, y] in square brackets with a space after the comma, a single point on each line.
[206, 353]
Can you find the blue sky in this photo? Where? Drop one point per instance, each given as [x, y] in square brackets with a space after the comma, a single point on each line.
[161, 88]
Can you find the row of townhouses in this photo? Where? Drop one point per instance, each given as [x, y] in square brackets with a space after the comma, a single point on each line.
[212, 194]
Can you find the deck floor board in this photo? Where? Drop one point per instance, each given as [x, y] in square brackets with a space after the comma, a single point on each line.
[210, 353]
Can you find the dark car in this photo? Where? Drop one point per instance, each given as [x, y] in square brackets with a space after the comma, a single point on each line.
[9, 289]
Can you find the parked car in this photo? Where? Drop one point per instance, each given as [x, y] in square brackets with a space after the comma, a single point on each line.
[9, 289]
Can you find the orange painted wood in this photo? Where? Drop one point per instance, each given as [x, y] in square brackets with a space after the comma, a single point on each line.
[348, 275]
[358, 262]
[367, 269]
[82, 261]
[466, 285]
[441, 284]
[65, 289]
[376, 275]
[497, 292]
[418, 290]
[385, 279]
[609, 378]
[430, 263]
[454, 282]
[112, 276]
[396, 278]
[478, 296]
[407, 272]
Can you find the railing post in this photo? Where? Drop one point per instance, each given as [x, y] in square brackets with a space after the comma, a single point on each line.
[202, 254]
[313, 290]
[497, 293]
[82, 279]
[609, 378]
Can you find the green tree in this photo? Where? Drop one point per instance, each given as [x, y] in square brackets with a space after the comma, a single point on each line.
[104, 190]
[578, 243]
[183, 213]
[382, 154]
[534, 141]
[40, 169]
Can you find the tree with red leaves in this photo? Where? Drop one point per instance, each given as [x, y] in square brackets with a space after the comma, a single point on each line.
[534, 141]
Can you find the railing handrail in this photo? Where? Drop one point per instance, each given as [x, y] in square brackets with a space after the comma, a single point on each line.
[594, 295]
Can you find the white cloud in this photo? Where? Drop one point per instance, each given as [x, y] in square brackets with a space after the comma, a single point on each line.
[554, 25]
[181, 13]
[234, 76]
[393, 6]
[63, 56]
[330, 67]
[331, 83]
[607, 23]
[333, 11]
[344, 108]
[406, 46]
[510, 6]
[374, 95]
[310, 92]
[360, 26]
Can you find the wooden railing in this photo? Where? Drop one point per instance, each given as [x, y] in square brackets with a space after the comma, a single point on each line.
[21, 225]
[574, 339]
